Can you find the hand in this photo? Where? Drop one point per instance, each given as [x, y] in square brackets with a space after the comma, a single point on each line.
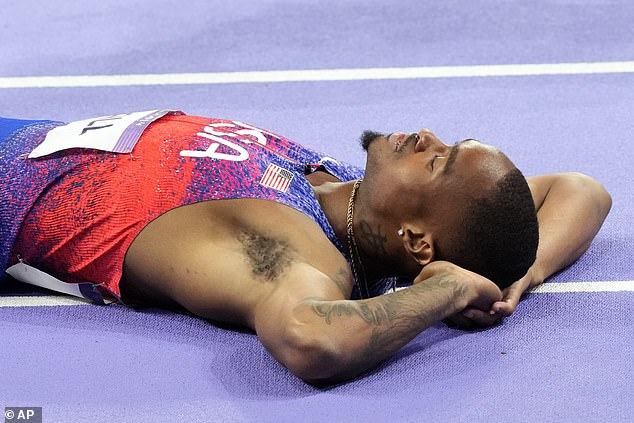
[473, 318]
[476, 292]
[513, 293]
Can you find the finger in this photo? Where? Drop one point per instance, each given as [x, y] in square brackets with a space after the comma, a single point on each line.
[507, 306]
[482, 318]
[485, 303]
[514, 293]
[504, 308]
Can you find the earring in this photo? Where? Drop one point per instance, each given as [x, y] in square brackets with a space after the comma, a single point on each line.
[400, 232]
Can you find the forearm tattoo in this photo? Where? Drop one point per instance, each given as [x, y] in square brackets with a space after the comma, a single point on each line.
[398, 317]
[268, 257]
[331, 310]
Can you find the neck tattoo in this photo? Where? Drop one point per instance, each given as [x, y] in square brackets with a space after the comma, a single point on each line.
[360, 279]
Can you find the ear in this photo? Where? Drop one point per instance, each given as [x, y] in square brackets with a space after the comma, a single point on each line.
[419, 244]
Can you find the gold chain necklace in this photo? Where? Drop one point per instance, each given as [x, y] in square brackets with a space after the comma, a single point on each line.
[352, 246]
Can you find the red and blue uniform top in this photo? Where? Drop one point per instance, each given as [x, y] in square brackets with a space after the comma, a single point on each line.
[74, 213]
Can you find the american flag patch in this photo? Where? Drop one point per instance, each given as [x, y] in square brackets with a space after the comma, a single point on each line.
[277, 178]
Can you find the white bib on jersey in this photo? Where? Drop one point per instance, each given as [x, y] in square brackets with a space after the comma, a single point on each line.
[117, 133]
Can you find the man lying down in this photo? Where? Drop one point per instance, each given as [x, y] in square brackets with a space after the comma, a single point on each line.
[236, 224]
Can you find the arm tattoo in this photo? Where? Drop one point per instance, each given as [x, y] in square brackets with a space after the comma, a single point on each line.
[330, 310]
[269, 257]
[398, 317]
[376, 241]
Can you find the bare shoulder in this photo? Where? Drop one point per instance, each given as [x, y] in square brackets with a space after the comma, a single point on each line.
[220, 259]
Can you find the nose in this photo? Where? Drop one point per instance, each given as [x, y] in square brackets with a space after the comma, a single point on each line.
[428, 141]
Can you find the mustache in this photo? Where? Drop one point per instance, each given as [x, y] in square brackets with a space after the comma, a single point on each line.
[367, 137]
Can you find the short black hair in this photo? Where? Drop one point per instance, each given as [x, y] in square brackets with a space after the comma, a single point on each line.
[498, 234]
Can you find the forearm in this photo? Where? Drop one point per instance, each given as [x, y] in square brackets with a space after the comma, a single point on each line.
[360, 334]
[570, 215]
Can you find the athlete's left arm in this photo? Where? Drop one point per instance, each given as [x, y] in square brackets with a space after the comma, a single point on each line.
[571, 208]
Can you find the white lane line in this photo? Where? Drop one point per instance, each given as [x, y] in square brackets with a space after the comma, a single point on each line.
[42, 301]
[547, 288]
[352, 74]
[597, 286]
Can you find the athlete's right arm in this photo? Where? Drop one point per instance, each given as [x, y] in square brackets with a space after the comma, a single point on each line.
[324, 339]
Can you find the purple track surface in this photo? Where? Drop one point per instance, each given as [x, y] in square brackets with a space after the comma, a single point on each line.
[562, 357]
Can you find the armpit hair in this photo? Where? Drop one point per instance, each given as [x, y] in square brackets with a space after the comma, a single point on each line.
[269, 257]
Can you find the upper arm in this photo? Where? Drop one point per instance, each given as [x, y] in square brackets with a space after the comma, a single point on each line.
[569, 183]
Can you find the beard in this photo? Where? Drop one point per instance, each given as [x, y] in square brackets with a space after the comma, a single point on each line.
[367, 137]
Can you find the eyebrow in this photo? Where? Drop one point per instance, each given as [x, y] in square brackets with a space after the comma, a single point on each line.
[453, 154]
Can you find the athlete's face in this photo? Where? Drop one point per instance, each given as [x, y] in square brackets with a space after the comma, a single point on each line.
[417, 175]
